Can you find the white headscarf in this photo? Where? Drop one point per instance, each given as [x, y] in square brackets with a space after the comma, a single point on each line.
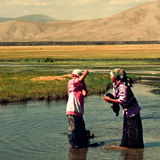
[77, 72]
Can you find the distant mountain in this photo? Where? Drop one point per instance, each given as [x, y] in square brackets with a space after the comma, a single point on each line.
[5, 19]
[141, 23]
[33, 17]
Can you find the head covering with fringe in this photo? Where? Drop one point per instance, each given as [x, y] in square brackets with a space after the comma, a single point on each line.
[120, 74]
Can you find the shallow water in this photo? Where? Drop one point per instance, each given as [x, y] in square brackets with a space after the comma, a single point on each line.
[37, 130]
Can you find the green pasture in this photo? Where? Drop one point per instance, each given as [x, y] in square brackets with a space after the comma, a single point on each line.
[19, 86]
[18, 65]
[131, 57]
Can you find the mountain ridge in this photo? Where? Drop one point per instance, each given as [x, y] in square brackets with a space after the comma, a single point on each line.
[141, 23]
[32, 17]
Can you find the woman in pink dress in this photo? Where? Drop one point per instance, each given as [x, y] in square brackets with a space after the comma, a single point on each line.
[75, 109]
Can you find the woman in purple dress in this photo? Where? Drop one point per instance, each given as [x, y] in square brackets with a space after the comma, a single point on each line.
[132, 127]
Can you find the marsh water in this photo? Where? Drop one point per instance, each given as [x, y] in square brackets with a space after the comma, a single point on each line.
[37, 130]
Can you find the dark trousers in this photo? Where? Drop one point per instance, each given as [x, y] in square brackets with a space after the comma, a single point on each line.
[77, 132]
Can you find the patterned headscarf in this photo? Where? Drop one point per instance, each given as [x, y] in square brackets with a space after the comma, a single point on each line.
[118, 73]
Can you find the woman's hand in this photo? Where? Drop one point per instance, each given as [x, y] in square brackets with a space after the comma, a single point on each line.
[110, 100]
[86, 72]
[106, 98]
[83, 75]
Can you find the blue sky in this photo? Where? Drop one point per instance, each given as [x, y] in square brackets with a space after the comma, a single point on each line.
[67, 9]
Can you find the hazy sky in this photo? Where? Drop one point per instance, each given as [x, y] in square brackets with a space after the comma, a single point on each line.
[66, 9]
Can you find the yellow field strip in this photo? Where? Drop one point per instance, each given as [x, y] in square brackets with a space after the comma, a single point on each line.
[81, 51]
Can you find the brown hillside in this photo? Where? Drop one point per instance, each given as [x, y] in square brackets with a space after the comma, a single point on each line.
[141, 23]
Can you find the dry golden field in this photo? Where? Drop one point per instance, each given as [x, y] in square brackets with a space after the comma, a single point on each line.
[81, 52]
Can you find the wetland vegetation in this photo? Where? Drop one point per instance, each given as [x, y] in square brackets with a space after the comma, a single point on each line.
[19, 65]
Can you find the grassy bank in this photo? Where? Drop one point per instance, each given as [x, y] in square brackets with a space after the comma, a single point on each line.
[19, 65]
[20, 86]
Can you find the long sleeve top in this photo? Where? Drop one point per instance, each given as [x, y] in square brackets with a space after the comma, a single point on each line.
[120, 91]
[75, 104]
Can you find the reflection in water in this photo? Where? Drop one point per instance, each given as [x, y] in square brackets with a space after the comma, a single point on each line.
[77, 154]
[132, 154]
[18, 103]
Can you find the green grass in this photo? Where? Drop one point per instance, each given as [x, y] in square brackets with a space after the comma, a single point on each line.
[19, 87]
[44, 64]
[18, 65]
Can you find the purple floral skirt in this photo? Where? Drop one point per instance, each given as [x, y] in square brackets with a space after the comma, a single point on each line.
[132, 133]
